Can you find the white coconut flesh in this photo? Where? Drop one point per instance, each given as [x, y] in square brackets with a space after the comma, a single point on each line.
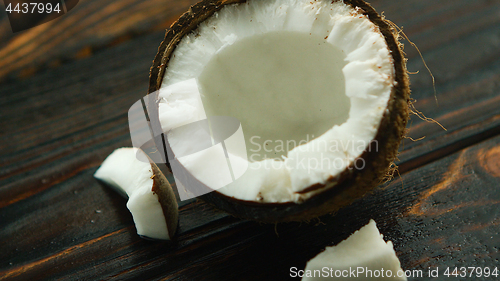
[129, 172]
[309, 82]
[364, 252]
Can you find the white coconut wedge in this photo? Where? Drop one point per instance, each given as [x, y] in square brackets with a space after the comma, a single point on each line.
[151, 199]
[320, 89]
[362, 256]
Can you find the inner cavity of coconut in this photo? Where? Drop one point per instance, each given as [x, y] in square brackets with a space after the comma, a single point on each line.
[285, 88]
[309, 82]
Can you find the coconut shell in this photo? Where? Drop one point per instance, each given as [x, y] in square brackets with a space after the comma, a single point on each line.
[167, 199]
[353, 183]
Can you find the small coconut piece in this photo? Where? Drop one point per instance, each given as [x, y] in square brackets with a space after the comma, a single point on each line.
[320, 88]
[362, 256]
[151, 199]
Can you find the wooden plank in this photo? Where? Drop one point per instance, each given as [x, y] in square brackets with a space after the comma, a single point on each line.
[89, 27]
[46, 129]
[444, 21]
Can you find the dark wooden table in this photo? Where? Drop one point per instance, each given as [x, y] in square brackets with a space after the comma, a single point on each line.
[66, 87]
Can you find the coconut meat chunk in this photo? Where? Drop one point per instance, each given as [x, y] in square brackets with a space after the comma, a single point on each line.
[309, 82]
[365, 252]
[129, 172]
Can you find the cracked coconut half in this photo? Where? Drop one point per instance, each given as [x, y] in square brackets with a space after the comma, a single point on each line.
[320, 91]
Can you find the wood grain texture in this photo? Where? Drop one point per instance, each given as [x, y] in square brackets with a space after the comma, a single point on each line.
[89, 27]
[58, 124]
